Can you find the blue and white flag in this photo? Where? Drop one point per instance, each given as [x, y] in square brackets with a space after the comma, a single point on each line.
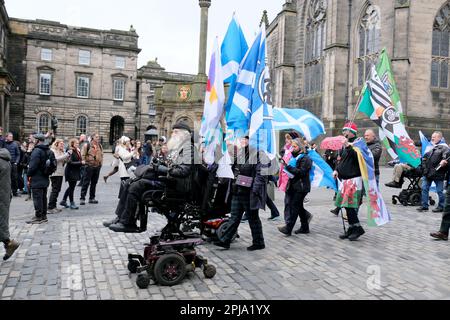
[238, 117]
[298, 119]
[427, 146]
[233, 50]
[262, 133]
[321, 174]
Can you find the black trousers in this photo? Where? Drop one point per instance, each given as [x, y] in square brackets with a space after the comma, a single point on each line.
[131, 197]
[82, 170]
[90, 180]
[70, 191]
[296, 209]
[14, 179]
[240, 204]
[56, 189]
[352, 216]
[40, 202]
[273, 208]
[445, 224]
[20, 183]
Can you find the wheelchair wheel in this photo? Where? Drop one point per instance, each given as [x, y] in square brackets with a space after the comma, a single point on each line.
[133, 265]
[170, 269]
[394, 201]
[220, 232]
[143, 281]
[415, 199]
[209, 271]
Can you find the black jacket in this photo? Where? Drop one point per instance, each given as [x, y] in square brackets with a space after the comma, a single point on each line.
[73, 167]
[36, 167]
[376, 149]
[301, 181]
[14, 150]
[348, 165]
[431, 161]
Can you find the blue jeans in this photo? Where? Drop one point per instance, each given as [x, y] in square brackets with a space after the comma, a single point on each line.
[426, 184]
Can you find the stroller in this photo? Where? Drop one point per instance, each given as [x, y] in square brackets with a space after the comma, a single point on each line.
[412, 195]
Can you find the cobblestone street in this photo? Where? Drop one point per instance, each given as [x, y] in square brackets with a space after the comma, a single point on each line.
[74, 257]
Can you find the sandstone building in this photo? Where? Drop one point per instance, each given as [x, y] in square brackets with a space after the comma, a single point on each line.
[320, 52]
[7, 84]
[86, 78]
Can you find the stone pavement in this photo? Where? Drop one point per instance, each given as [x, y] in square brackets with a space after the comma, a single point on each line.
[74, 257]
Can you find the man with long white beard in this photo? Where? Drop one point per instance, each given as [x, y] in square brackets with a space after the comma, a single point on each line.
[179, 165]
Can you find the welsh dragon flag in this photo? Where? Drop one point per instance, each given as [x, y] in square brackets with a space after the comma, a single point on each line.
[380, 101]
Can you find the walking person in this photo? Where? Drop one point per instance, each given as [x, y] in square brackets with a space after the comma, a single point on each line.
[347, 169]
[92, 155]
[114, 164]
[72, 173]
[299, 185]
[434, 169]
[39, 178]
[25, 163]
[442, 234]
[83, 141]
[14, 150]
[57, 177]
[249, 195]
[5, 201]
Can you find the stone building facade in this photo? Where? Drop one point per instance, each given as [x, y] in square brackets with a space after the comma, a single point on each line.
[166, 98]
[86, 78]
[320, 52]
[7, 84]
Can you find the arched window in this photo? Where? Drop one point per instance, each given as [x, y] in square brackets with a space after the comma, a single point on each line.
[43, 123]
[315, 39]
[440, 48]
[81, 124]
[369, 41]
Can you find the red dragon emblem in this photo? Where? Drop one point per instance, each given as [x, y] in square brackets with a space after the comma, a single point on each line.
[348, 192]
[374, 208]
[407, 146]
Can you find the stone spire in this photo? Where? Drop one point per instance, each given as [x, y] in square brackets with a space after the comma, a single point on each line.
[204, 6]
[264, 19]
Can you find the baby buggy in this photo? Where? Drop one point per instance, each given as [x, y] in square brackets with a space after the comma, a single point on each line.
[412, 195]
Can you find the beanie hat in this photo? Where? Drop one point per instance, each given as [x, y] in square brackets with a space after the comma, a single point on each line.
[351, 126]
[183, 126]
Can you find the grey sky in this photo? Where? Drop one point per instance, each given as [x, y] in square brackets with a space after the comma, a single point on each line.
[167, 29]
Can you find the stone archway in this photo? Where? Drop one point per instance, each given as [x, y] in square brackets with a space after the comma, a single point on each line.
[116, 129]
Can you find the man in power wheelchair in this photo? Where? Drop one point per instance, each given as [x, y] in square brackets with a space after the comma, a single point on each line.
[168, 183]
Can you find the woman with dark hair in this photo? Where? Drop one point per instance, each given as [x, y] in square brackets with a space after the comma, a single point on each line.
[299, 185]
[72, 173]
[138, 154]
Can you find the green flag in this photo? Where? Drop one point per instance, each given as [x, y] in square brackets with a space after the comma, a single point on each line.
[380, 101]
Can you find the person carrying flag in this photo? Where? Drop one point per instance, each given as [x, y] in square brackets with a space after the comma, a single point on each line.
[350, 190]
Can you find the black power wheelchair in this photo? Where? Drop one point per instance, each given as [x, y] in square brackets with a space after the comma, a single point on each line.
[412, 195]
[171, 254]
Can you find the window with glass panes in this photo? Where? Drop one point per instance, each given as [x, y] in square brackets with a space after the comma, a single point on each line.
[81, 125]
[46, 54]
[84, 57]
[440, 48]
[45, 84]
[43, 123]
[83, 87]
[120, 62]
[119, 89]
[369, 42]
[315, 40]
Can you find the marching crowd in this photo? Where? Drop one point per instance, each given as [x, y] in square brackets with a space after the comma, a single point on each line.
[42, 161]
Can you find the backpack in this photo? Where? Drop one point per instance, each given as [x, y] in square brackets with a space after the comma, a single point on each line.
[50, 163]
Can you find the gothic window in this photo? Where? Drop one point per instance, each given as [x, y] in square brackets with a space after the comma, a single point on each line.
[315, 39]
[369, 42]
[440, 48]
[81, 125]
[43, 123]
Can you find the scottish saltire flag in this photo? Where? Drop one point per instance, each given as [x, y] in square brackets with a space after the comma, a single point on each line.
[378, 214]
[298, 119]
[427, 146]
[262, 133]
[238, 117]
[380, 101]
[214, 97]
[321, 174]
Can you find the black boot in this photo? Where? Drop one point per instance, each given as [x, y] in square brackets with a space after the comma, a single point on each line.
[356, 233]
[346, 234]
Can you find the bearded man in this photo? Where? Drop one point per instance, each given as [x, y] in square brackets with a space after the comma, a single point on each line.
[179, 167]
